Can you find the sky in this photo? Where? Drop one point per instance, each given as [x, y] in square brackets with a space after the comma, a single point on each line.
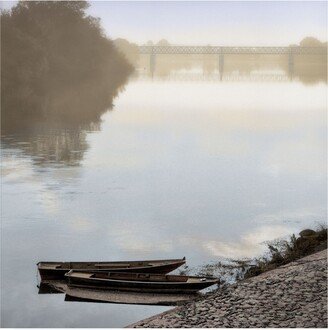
[226, 23]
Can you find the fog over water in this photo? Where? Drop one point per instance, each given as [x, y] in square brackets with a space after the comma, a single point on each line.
[202, 169]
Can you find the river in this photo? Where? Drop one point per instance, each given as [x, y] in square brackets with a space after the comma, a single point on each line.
[201, 168]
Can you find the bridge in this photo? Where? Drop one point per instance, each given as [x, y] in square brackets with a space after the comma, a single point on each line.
[232, 50]
[290, 51]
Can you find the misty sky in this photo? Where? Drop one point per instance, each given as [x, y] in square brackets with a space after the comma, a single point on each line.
[219, 23]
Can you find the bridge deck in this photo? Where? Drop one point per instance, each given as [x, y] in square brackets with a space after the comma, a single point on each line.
[232, 50]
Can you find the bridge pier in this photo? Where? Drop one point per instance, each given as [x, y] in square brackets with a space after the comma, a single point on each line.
[221, 65]
[290, 63]
[152, 63]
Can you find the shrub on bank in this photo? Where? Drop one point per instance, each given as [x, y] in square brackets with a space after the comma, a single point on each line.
[283, 252]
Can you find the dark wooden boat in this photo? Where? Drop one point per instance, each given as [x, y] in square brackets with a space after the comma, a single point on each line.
[139, 282]
[56, 270]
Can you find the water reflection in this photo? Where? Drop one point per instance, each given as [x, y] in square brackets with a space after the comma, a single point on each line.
[207, 170]
[308, 69]
[51, 144]
[113, 296]
[199, 75]
[64, 143]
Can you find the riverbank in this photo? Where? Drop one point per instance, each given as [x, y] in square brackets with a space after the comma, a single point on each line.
[293, 295]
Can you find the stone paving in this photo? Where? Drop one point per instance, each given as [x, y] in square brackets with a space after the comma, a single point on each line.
[294, 295]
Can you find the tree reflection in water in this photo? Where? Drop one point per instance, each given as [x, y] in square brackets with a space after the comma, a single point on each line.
[50, 144]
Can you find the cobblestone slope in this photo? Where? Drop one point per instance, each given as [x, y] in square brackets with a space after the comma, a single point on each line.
[294, 295]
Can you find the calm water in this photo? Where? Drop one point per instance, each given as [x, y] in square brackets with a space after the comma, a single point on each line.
[202, 169]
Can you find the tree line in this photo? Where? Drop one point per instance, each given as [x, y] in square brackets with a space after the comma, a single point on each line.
[57, 63]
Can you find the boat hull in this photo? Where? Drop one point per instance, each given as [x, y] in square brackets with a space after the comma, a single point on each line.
[159, 267]
[139, 286]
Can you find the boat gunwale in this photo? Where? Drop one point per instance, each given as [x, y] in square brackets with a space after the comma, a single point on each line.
[160, 262]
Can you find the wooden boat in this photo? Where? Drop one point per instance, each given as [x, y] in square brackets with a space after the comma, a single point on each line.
[139, 282]
[56, 270]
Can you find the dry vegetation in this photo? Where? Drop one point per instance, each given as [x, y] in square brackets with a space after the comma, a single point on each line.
[285, 251]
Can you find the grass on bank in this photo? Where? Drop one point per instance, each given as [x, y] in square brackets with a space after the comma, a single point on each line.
[286, 251]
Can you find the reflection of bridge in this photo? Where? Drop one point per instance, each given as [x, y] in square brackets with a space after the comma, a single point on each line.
[197, 77]
[222, 51]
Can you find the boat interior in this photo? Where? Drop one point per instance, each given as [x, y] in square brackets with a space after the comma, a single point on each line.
[138, 277]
